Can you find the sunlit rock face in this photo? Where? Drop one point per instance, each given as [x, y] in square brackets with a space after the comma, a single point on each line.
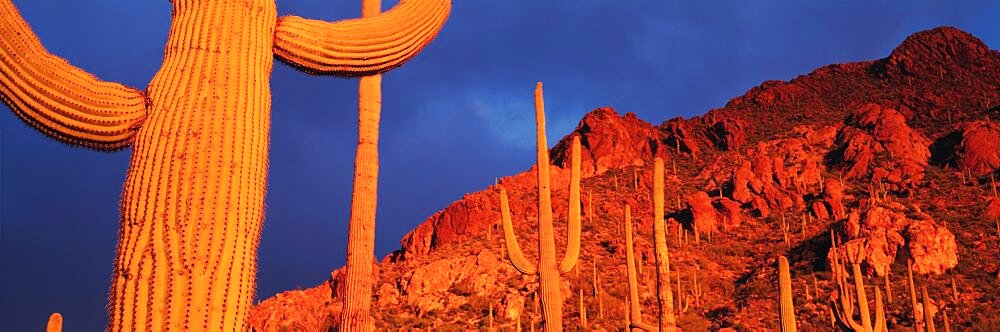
[845, 151]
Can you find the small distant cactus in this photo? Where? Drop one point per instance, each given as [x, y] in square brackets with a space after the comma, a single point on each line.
[913, 295]
[633, 306]
[547, 269]
[785, 295]
[583, 311]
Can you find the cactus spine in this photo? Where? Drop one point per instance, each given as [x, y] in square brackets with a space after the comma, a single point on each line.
[55, 323]
[547, 269]
[193, 199]
[785, 293]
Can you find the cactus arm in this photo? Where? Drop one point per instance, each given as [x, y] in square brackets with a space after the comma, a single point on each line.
[859, 287]
[573, 238]
[360, 47]
[514, 252]
[785, 293]
[58, 99]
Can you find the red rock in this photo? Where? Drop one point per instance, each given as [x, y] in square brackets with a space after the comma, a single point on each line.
[612, 141]
[678, 137]
[993, 208]
[937, 52]
[979, 150]
[819, 210]
[833, 195]
[741, 183]
[880, 136]
[705, 219]
[731, 212]
[931, 246]
[727, 133]
[882, 230]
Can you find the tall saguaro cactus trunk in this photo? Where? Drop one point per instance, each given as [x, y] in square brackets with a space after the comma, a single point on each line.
[193, 200]
[548, 269]
[667, 321]
[192, 207]
[356, 312]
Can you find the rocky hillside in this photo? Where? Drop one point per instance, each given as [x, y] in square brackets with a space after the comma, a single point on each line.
[893, 160]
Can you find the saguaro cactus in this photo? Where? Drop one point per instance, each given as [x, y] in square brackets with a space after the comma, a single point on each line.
[55, 323]
[193, 200]
[664, 296]
[785, 295]
[547, 269]
[845, 312]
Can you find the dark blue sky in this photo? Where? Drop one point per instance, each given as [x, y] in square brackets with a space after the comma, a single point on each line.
[454, 119]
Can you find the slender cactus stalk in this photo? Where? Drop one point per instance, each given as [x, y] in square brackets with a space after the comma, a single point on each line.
[547, 269]
[583, 312]
[489, 323]
[356, 312]
[55, 323]
[947, 323]
[785, 295]
[928, 315]
[954, 290]
[634, 307]
[913, 295]
[888, 285]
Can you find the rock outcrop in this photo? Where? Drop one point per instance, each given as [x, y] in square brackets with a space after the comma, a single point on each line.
[884, 229]
[877, 142]
[979, 149]
[612, 141]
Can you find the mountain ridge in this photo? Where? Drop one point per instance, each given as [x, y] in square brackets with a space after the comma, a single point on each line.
[841, 122]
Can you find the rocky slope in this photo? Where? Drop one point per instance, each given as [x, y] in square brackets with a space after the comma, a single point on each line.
[892, 159]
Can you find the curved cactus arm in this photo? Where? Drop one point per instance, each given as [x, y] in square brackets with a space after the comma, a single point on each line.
[846, 315]
[573, 238]
[59, 99]
[360, 47]
[514, 252]
[859, 287]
